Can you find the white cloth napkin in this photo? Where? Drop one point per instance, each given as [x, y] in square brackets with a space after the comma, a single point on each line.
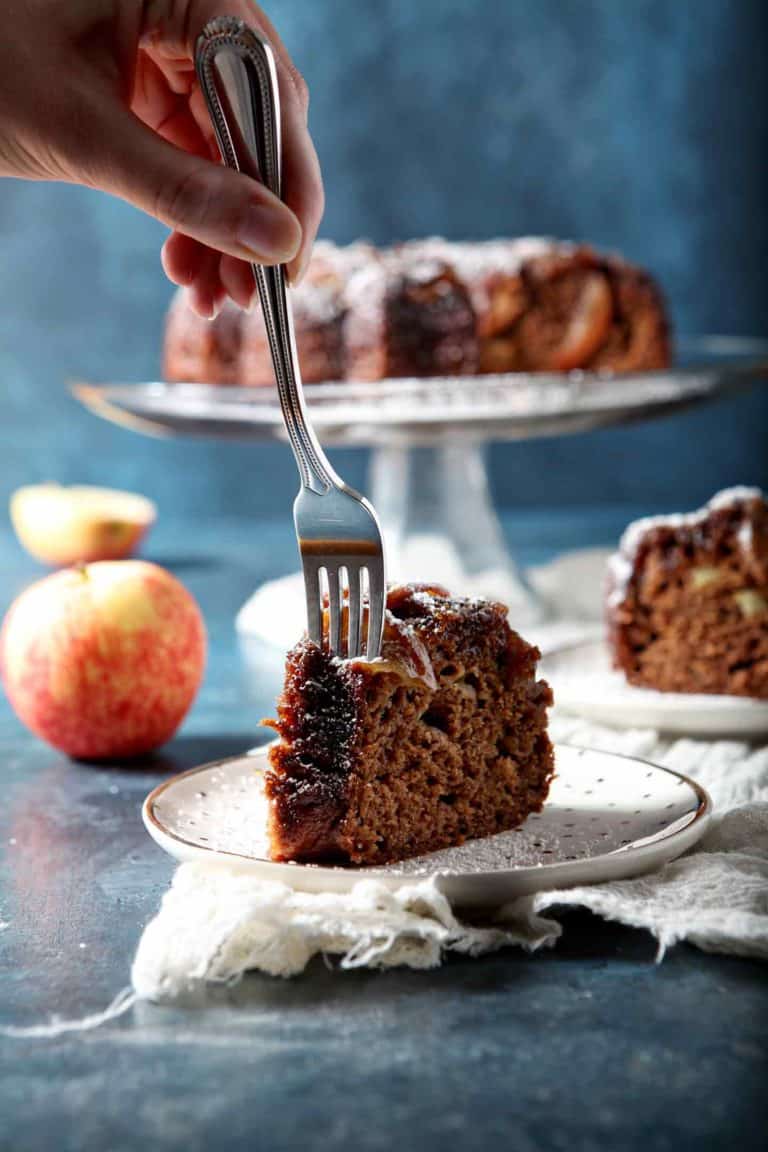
[216, 923]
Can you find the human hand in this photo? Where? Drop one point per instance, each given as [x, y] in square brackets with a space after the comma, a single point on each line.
[104, 93]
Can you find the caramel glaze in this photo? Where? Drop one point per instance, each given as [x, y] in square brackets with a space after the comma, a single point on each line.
[335, 546]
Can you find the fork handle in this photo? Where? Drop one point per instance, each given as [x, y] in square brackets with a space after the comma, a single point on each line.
[236, 71]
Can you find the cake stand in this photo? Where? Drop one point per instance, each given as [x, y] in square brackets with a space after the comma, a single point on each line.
[428, 477]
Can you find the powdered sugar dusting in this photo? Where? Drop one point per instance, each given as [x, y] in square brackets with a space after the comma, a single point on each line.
[621, 564]
[435, 604]
[746, 536]
[487, 257]
[317, 303]
[736, 495]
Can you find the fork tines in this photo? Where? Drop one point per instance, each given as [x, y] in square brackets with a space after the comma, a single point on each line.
[345, 603]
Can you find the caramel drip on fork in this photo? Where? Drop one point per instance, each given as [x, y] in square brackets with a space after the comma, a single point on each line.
[336, 547]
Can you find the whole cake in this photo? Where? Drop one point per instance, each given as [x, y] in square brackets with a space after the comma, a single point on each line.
[687, 599]
[441, 739]
[435, 308]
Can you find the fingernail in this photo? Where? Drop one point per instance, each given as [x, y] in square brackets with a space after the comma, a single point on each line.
[269, 234]
[295, 273]
[299, 266]
[203, 304]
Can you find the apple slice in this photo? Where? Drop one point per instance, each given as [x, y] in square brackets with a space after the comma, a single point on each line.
[570, 321]
[62, 526]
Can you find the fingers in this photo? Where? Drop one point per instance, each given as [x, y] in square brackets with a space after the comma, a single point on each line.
[206, 293]
[222, 209]
[237, 280]
[302, 182]
[182, 259]
[196, 268]
[207, 274]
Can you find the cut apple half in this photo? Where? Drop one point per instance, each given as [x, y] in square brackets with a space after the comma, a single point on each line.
[61, 526]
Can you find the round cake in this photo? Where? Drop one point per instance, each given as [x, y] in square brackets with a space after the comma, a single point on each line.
[437, 308]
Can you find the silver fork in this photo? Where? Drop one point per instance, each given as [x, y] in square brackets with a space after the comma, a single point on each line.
[337, 529]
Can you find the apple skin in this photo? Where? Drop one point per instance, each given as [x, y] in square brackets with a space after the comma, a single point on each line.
[103, 661]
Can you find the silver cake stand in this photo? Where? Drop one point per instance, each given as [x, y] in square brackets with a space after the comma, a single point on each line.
[428, 479]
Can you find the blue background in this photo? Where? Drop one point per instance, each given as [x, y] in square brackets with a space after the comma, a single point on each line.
[634, 124]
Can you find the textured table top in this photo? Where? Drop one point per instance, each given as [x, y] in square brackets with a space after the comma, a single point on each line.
[589, 1046]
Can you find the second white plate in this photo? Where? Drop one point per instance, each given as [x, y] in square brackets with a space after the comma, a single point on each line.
[607, 817]
[586, 685]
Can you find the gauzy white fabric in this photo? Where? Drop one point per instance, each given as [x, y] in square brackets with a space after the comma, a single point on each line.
[215, 923]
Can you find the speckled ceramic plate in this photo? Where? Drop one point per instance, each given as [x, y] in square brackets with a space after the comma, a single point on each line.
[608, 817]
[585, 685]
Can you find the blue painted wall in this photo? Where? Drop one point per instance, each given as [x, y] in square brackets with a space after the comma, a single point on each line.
[635, 124]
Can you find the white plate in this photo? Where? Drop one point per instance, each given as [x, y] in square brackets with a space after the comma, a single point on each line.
[608, 817]
[586, 685]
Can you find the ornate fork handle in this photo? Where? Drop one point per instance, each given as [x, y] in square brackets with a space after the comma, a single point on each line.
[238, 78]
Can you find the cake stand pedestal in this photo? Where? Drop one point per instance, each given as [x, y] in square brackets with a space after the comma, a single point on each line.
[439, 523]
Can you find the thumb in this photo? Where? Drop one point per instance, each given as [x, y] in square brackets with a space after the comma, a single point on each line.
[225, 210]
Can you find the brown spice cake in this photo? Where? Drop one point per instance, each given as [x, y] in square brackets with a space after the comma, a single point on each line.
[409, 315]
[542, 305]
[201, 351]
[233, 348]
[589, 311]
[431, 308]
[492, 271]
[187, 344]
[687, 603]
[442, 739]
[319, 307]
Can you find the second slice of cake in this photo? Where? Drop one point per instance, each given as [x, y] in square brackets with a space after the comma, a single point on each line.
[442, 739]
[687, 604]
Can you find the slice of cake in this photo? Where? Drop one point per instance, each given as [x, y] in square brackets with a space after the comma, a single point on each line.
[687, 603]
[439, 308]
[442, 739]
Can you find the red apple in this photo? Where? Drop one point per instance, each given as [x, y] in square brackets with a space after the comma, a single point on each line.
[103, 661]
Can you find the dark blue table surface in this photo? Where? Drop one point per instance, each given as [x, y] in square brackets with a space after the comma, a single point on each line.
[589, 1046]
